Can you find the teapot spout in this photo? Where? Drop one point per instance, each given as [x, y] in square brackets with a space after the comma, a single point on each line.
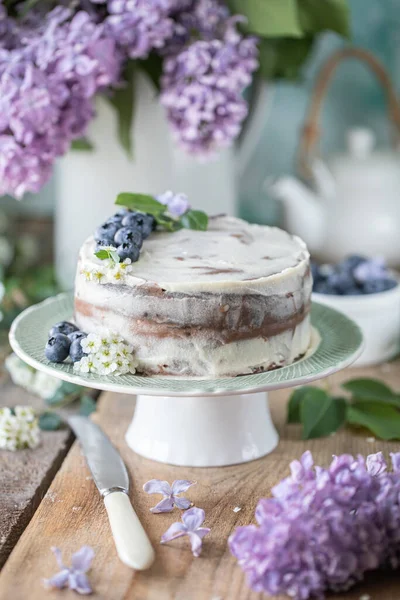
[304, 215]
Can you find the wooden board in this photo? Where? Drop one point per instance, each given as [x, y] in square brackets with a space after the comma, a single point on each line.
[72, 514]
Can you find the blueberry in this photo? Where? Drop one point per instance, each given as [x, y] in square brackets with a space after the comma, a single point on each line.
[128, 250]
[375, 286]
[324, 287]
[353, 291]
[352, 262]
[76, 351]
[77, 335]
[106, 232]
[115, 219]
[143, 222]
[64, 327]
[341, 281]
[122, 212]
[128, 235]
[57, 348]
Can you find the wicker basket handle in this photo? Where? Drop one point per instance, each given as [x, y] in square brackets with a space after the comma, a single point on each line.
[311, 131]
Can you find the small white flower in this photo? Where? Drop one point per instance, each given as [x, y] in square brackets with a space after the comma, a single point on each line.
[25, 413]
[18, 428]
[99, 275]
[86, 365]
[91, 343]
[45, 386]
[87, 273]
[21, 373]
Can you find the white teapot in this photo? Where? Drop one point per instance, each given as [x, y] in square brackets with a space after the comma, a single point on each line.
[353, 204]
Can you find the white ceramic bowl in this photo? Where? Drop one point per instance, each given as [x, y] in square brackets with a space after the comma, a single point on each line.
[377, 315]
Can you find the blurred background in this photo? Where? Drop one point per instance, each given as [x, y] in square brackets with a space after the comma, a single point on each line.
[354, 99]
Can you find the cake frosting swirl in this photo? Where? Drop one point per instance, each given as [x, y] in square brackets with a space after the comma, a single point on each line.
[231, 300]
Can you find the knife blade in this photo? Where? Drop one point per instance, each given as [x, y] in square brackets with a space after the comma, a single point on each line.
[111, 478]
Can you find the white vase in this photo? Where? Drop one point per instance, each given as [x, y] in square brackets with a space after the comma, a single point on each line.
[87, 182]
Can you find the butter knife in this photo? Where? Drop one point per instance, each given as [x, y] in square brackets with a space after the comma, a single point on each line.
[111, 478]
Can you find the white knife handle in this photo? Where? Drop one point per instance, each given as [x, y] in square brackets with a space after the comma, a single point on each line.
[131, 541]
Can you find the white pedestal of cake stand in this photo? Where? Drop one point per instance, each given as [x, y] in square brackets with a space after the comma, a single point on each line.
[206, 431]
[199, 423]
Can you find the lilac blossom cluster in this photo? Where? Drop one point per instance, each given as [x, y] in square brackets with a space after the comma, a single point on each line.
[204, 80]
[324, 528]
[47, 86]
[53, 64]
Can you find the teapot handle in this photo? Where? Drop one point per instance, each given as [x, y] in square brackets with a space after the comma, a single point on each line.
[311, 131]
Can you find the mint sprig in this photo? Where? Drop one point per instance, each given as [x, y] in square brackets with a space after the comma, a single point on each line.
[104, 254]
[191, 219]
[371, 404]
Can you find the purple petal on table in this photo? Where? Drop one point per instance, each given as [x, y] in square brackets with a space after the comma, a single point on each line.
[182, 503]
[181, 485]
[376, 464]
[80, 583]
[165, 505]
[59, 580]
[395, 456]
[196, 543]
[157, 486]
[176, 530]
[82, 559]
[57, 554]
[193, 518]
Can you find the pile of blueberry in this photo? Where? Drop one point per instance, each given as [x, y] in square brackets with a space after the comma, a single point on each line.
[354, 276]
[64, 341]
[125, 230]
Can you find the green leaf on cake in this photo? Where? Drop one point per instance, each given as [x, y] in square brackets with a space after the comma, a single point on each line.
[141, 202]
[102, 254]
[381, 419]
[321, 414]
[269, 18]
[168, 223]
[108, 255]
[195, 219]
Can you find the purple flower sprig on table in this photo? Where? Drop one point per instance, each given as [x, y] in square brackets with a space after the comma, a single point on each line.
[191, 526]
[169, 493]
[324, 528]
[73, 577]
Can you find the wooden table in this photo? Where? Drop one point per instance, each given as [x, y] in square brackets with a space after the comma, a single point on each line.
[70, 513]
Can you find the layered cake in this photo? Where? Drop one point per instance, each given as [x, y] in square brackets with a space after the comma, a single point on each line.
[231, 300]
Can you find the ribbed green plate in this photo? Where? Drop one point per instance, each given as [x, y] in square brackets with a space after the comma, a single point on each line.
[339, 345]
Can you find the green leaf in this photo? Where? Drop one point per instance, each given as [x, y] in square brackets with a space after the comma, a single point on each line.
[49, 421]
[102, 254]
[321, 414]
[122, 101]
[293, 413]
[141, 202]
[371, 389]
[152, 66]
[381, 419]
[114, 256]
[269, 18]
[88, 405]
[195, 219]
[332, 15]
[168, 223]
[82, 144]
[283, 58]
[65, 389]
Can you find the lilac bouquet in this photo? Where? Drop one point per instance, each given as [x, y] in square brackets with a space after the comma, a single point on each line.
[56, 56]
[324, 528]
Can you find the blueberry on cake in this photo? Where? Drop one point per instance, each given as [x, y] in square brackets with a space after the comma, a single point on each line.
[195, 298]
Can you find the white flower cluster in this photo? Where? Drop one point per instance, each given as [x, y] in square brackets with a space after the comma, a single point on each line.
[35, 382]
[108, 271]
[106, 355]
[19, 428]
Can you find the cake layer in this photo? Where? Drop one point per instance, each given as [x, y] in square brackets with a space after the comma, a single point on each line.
[206, 317]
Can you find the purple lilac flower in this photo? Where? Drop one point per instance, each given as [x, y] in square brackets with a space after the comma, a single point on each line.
[177, 204]
[139, 26]
[170, 494]
[192, 520]
[73, 577]
[47, 87]
[202, 90]
[324, 528]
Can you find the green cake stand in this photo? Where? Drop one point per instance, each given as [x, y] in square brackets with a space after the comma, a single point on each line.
[197, 422]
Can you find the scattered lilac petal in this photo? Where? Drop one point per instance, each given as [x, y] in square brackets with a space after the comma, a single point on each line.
[170, 498]
[74, 577]
[376, 464]
[191, 526]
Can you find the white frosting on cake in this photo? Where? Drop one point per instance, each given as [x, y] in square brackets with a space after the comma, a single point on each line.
[231, 256]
